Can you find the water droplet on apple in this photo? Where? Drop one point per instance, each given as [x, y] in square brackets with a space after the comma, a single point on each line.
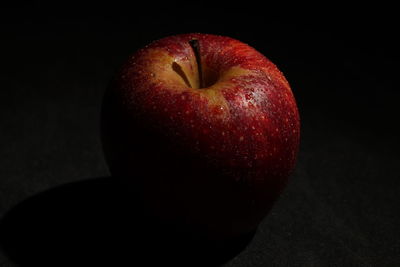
[152, 74]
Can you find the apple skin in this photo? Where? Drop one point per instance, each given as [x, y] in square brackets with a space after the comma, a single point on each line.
[210, 161]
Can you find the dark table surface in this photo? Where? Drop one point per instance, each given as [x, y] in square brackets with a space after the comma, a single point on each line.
[341, 207]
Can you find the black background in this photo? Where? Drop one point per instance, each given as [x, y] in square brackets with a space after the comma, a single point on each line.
[341, 205]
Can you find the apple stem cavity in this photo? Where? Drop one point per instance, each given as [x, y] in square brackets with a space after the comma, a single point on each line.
[194, 43]
[178, 69]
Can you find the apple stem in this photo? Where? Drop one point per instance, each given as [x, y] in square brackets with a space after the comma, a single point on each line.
[194, 43]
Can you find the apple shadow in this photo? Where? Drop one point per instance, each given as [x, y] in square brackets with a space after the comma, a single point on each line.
[95, 222]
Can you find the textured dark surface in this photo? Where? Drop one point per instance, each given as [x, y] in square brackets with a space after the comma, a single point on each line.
[341, 207]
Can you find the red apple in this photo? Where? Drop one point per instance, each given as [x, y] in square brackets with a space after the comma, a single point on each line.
[205, 129]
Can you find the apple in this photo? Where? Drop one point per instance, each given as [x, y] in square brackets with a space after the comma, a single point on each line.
[204, 131]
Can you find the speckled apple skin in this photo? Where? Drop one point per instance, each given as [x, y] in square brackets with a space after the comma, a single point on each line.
[209, 160]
